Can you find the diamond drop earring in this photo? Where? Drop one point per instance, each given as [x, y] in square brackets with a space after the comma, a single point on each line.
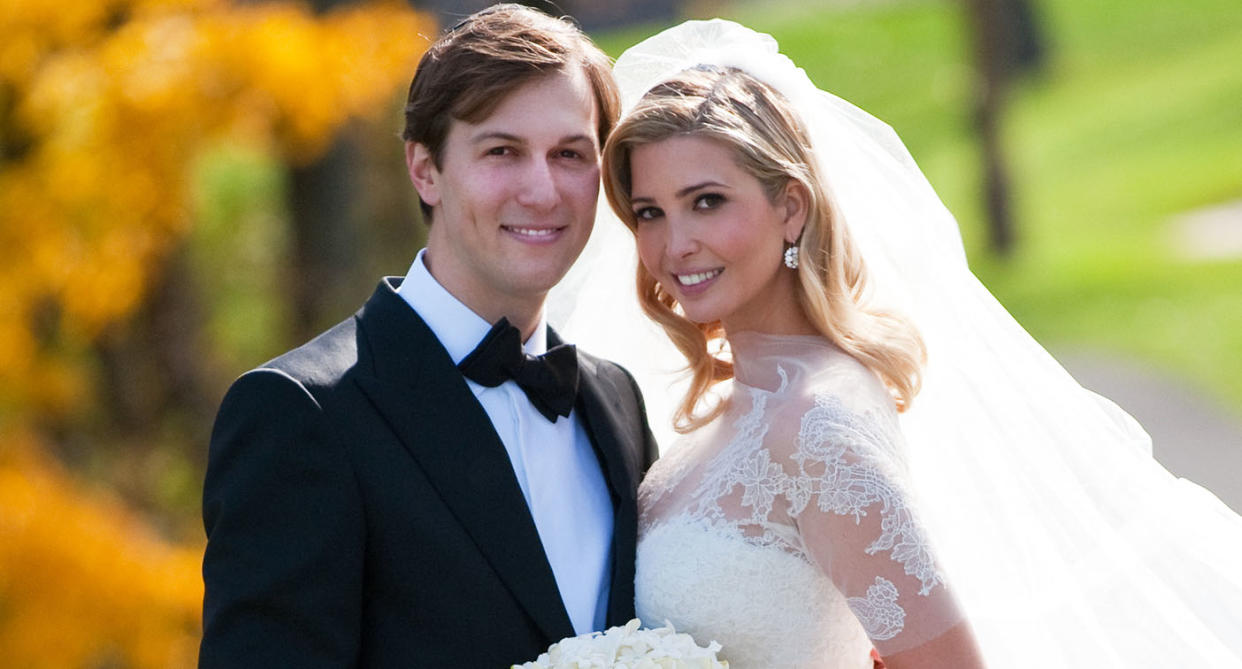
[791, 257]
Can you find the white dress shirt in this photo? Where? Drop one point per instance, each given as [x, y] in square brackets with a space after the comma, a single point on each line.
[554, 463]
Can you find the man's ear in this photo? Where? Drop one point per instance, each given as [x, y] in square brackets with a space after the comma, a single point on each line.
[423, 172]
[796, 203]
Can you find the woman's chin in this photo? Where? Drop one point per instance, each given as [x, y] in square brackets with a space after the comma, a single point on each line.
[700, 316]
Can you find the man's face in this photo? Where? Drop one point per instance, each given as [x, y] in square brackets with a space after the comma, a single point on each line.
[514, 197]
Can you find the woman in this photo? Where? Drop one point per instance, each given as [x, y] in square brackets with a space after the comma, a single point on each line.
[792, 498]
[790, 245]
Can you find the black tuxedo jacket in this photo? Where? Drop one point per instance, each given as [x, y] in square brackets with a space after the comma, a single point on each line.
[362, 512]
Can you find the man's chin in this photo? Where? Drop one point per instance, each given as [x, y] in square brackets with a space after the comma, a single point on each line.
[537, 284]
[542, 271]
[534, 281]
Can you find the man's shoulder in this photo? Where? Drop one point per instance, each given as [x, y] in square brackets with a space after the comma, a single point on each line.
[605, 370]
[321, 363]
[616, 383]
[595, 366]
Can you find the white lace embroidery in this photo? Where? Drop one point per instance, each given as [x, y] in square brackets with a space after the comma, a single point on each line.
[839, 466]
[855, 478]
[843, 461]
[878, 611]
[716, 481]
[732, 467]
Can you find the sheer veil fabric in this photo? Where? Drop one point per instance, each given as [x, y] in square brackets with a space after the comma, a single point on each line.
[1065, 543]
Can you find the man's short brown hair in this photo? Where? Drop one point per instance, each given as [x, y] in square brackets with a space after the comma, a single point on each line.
[470, 70]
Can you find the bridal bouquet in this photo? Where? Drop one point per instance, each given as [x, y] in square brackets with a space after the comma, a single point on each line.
[629, 647]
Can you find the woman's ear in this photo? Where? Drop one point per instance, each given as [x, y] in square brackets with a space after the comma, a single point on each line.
[796, 203]
[423, 172]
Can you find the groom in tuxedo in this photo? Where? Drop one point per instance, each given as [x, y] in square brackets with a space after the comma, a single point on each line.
[439, 481]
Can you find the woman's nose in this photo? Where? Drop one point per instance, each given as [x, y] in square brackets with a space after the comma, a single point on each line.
[682, 240]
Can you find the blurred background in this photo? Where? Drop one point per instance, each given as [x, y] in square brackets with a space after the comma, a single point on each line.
[190, 187]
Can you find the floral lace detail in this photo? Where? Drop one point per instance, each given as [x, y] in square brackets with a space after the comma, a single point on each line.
[846, 463]
[743, 461]
[854, 478]
[878, 611]
[791, 515]
[672, 468]
[668, 471]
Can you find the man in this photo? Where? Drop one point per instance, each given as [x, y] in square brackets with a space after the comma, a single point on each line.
[388, 495]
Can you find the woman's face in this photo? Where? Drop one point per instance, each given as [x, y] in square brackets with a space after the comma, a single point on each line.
[710, 235]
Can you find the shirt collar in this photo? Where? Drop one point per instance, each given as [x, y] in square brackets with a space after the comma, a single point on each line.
[458, 328]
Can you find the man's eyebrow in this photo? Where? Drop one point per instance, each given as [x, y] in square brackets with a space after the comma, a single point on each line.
[494, 135]
[590, 139]
[509, 137]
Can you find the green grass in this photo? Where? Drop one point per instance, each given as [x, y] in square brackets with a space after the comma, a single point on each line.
[1137, 117]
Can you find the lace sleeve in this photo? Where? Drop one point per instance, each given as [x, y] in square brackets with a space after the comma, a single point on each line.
[858, 523]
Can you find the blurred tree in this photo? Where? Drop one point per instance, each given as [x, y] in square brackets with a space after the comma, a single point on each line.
[347, 221]
[106, 108]
[1007, 42]
[84, 582]
[326, 235]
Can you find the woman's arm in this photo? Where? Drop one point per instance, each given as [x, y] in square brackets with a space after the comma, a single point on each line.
[860, 525]
[955, 649]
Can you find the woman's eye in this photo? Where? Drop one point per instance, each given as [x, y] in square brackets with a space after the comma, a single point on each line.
[647, 213]
[708, 201]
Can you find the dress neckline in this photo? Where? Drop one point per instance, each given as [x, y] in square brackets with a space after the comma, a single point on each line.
[763, 360]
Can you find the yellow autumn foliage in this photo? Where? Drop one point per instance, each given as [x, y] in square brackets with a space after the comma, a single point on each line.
[104, 107]
[105, 123]
[84, 582]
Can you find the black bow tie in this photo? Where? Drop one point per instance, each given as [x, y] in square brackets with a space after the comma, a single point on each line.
[550, 380]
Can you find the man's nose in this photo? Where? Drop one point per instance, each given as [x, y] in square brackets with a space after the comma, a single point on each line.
[539, 188]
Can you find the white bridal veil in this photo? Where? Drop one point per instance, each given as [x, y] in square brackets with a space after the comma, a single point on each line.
[1067, 544]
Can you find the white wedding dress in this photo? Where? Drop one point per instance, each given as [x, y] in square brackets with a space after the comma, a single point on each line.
[785, 529]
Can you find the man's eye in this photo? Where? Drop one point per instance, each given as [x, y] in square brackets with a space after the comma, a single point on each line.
[708, 201]
[500, 151]
[647, 213]
[571, 154]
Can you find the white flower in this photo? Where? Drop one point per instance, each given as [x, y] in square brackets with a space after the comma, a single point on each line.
[629, 647]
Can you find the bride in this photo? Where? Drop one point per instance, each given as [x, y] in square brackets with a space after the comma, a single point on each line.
[874, 453]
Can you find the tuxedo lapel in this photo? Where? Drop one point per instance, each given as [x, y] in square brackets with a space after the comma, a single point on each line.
[420, 393]
[602, 425]
[608, 431]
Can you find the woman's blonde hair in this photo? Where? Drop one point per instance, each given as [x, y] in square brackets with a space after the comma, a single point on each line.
[770, 143]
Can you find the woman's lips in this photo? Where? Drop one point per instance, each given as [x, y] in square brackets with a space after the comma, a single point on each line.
[694, 283]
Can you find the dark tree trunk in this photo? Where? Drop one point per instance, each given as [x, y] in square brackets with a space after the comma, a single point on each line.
[353, 218]
[155, 400]
[1007, 42]
[326, 244]
[324, 239]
